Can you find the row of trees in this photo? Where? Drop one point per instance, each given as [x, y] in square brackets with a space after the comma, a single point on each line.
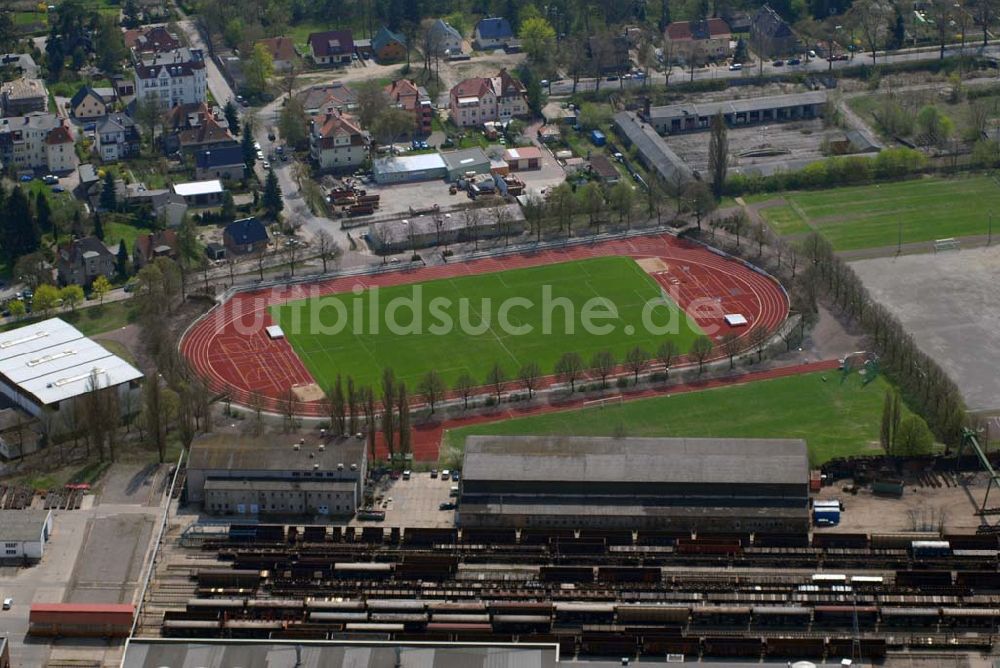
[350, 405]
[922, 382]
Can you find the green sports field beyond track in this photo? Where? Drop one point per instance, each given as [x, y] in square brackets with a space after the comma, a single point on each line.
[360, 350]
[835, 419]
[871, 216]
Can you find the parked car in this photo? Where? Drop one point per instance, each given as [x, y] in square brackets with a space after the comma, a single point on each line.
[445, 475]
[448, 505]
[406, 474]
[8, 603]
[778, 63]
[434, 473]
[794, 61]
[50, 179]
[735, 67]
[26, 178]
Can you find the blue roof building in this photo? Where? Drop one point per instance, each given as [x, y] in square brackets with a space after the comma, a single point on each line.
[247, 235]
[492, 33]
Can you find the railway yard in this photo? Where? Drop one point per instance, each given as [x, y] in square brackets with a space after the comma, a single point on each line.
[593, 592]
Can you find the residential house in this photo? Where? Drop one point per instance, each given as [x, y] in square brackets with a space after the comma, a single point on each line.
[201, 193]
[336, 143]
[88, 104]
[23, 96]
[388, 46]
[151, 40]
[39, 140]
[220, 163]
[124, 88]
[698, 41]
[333, 47]
[445, 39]
[82, 260]
[328, 98]
[150, 246]
[117, 138]
[169, 207]
[480, 100]
[771, 35]
[165, 206]
[247, 235]
[408, 96]
[171, 78]
[282, 50]
[492, 33]
[195, 127]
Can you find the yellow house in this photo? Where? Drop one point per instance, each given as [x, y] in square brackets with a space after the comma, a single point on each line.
[88, 103]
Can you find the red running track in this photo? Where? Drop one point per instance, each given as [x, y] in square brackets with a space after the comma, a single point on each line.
[231, 350]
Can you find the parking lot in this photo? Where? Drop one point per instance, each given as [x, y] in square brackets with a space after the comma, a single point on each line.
[414, 502]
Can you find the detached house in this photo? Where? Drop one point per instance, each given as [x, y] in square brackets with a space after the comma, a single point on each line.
[23, 96]
[772, 34]
[481, 100]
[388, 47]
[247, 235]
[88, 104]
[696, 40]
[225, 162]
[195, 127]
[333, 47]
[117, 138]
[172, 78]
[148, 247]
[83, 260]
[282, 50]
[445, 39]
[151, 40]
[492, 33]
[408, 96]
[336, 143]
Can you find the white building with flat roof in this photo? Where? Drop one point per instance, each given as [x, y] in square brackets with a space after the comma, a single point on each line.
[47, 363]
[23, 534]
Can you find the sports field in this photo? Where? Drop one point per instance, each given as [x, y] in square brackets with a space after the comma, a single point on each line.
[869, 216]
[423, 341]
[836, 420]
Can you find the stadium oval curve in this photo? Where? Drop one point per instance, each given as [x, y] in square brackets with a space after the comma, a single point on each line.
[228, 347]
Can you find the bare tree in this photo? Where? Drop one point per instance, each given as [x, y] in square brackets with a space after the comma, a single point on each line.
[405, 434]
[985, 14]
[731, 346]
[464, 386]
[665, 354]
[353, 399]
[431, 387]
[328, 249]
[636, 359]
[497, 377]
[701, 348]
[569, 368]
[472, 222]
[871, 18]
[759, 337]
[256, 403]
[388, 403]
[287, 406]
[603, 363]
[529, 375]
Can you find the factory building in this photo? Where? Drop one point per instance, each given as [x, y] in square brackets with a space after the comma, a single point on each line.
[23, 534]
[692, 117]
[696, 484]
[255, 476]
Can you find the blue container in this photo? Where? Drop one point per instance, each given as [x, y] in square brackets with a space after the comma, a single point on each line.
[597, 138]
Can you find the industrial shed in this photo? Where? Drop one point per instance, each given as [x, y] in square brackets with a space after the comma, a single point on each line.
[652, 148]
[692, 117]
[49, 362]
[23, 534]
[409, 168]
[467, 162]
[694, 484]
[251, 476]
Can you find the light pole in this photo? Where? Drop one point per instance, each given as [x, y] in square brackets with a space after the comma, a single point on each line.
[989, 227]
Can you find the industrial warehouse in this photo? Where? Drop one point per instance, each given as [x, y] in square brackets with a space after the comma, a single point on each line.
[49, 362]
[252, 476]
[645, 483]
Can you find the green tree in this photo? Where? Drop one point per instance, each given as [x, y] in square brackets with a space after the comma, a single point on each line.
[273, 204]
[538, 38]
[914, 437]
[121, 260]
[109, 198]
[405, 432]
[19, 232]
[43, 216]
[17, 308]
[130, 14]
[622, 199]
[228, 211]
[72, 296]
[292, 124]
[933, 126]
[232, 117]
[45, 298]
[100, 288]
[109, 44]
[258, 68]
[718, 155]
[247, 147]
[98, 226]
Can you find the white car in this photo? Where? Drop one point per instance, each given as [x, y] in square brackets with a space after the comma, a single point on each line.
[260, 155]
[256, 145]
[8, 603]
[267, 165]
[735, 67]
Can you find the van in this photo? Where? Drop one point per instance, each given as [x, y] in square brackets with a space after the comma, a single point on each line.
[406, 474]
[446, 474]
[453, 492]
[7, 603]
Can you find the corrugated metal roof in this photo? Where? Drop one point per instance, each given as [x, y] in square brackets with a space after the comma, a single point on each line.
[409, 163]
[659, 460]
[198, 188]
[22, 525]
[739, 106]
[82, 608]
[52, 361]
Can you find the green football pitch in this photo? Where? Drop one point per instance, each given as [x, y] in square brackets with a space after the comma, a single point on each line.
[917, 210]
[835, 419]
[350, 334]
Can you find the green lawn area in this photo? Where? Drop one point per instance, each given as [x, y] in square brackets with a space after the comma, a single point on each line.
[784, 219]
[115, 232]
[613, 285]
[90, 320]
[835, 419]
[869, 216]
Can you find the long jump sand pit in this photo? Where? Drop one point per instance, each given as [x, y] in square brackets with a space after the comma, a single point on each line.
[949, 303]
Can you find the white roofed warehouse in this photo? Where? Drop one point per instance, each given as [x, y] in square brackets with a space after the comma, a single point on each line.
[47, 363]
